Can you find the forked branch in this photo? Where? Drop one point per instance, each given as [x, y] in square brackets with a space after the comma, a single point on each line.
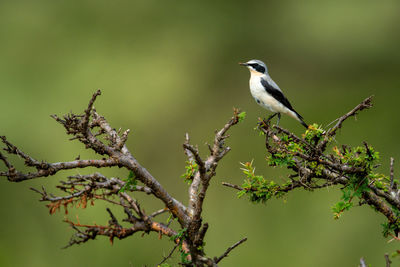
[316, 165]
[96, 134]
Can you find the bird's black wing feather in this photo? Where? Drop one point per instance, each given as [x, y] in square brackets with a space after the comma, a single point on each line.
[277, 94]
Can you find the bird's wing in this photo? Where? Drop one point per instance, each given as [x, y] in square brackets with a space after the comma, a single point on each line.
[276, 93]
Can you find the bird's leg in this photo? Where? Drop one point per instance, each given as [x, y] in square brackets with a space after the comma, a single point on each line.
[265, 122]
[272, 116]
[279, 118]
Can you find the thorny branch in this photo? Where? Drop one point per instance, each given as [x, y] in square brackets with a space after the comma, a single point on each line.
[229, 250]
[169, 255]
[93, 130]
[201, 179]
[365, 104]
[315, 167]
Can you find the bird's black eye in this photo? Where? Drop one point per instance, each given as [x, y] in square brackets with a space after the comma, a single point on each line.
[258, 67]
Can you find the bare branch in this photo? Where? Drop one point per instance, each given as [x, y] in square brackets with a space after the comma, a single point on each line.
[52, 168]
[91, 231]
[158, 212]
[93, 130]
[117, 142]
[144, 189]
[86, 117]
[123, 139]
[9, 166]
[380, 205]
[113, 220]
[46, 197]
[195, 152]
[29, 161]
[169, 255]
[199, 186]
[367, 103]
[176, 207]
[387, 259]
[196, 194]
[232, 185]
[229, 250]
[218, 150]
[392, 173]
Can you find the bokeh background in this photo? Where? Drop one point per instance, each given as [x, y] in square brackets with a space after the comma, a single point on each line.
[170, 67]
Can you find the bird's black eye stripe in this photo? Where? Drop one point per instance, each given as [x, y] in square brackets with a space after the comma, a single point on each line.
[258, 67]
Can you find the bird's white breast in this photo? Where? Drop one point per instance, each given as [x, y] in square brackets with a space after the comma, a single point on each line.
[261, 96]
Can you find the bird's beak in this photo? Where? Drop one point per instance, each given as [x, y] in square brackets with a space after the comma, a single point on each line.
[243, 64]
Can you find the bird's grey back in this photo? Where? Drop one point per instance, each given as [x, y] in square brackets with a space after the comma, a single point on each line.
[268, 78]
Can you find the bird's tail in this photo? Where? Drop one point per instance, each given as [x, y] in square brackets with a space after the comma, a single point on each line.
[298, 117]
[304, 124]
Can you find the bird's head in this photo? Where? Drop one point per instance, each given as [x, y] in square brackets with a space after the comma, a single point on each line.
[256, 67]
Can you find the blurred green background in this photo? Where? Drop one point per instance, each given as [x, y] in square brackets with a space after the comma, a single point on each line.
[170, 67]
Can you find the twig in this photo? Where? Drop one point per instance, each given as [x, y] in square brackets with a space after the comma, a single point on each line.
[4, 159]
[53, 168]
[45, 196]
[229, 250]
[392, 173]
[158, 212]
[218, 152]
[367, 103]
[29, 161]
[95, 133]
[293, 136]
[86, 118]
[170, 254]
[387, 259]
[232, 185]
[199, 186]
[113, 220]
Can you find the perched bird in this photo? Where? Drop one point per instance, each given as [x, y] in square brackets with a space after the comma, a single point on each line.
[267, 93]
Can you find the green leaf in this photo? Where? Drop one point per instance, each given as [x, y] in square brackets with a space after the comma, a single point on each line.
[346, 194]
[191, 169]
[241, 193]
[256, 187]
[130, 182]
[170, 217]
[340, 207]
[241, 116]
[179, 235]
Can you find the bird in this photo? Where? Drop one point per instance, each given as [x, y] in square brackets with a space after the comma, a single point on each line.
[267, 93]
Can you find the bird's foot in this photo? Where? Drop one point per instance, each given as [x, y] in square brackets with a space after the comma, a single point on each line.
[265, 123]
[262, 122]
